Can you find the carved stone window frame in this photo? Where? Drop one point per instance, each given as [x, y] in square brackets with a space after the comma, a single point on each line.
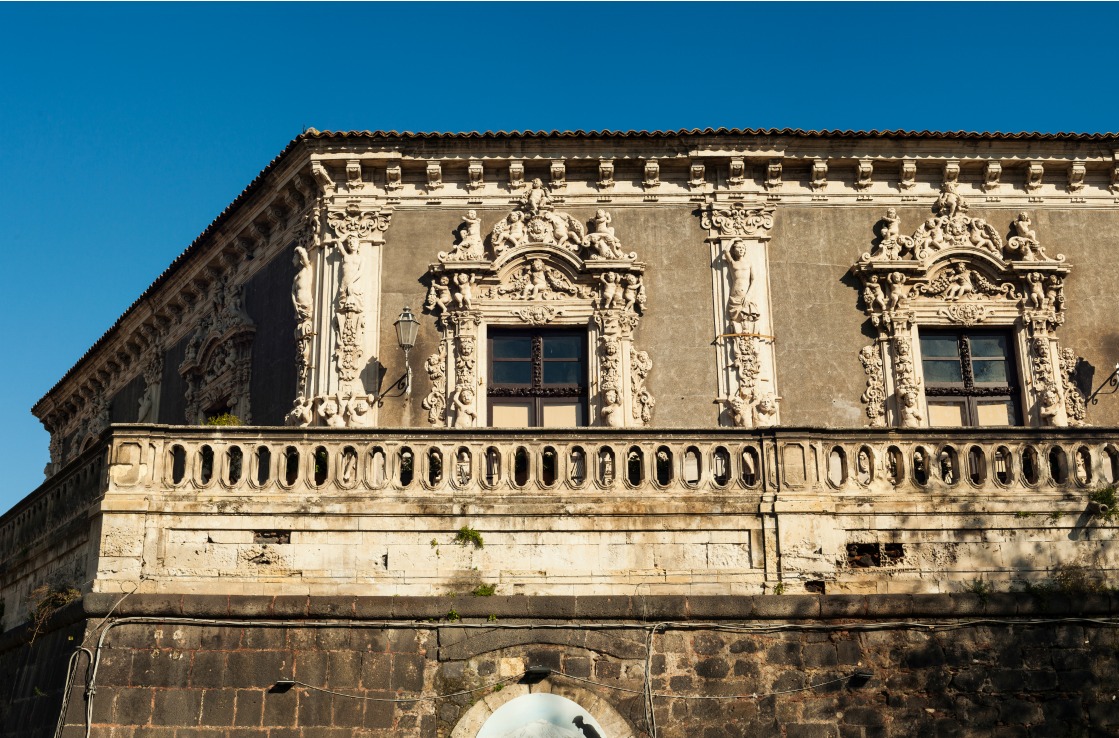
[956, 273]
[541, 268]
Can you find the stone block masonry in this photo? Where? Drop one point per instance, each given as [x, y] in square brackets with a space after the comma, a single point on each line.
[883, 665]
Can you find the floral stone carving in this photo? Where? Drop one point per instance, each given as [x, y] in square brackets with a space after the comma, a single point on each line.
[218, 361]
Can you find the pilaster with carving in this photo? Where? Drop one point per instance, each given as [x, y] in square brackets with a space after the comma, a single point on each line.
[335, 295]
[955, 270]
[739, 232]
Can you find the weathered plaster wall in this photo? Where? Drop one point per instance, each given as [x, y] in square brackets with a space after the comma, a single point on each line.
[126, 404]
[172, 390]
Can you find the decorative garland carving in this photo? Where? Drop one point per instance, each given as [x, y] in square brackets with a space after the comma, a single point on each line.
[956, 270]
[738, 219]
[540, 266]
[1075, 402]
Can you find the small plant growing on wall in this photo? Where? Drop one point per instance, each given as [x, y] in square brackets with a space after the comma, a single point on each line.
[44, 601]
[1102, 504]
[468, 536]
[224, 419]
[484, 590]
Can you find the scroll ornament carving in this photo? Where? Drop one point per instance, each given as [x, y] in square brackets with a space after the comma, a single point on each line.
[1075, 403]
[908, 386]
[1049, 402]
[435, 403]
[875, 394]
[739, 219]
[643, 403]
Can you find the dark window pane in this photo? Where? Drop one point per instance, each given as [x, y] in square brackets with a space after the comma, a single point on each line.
[989, 346]
[512, 347]
[990, 370]
[563, 347]
[942, 346]
[940, 372]
[563, 372]
[512, 372]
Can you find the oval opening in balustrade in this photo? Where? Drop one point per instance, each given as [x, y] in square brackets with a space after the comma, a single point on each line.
[720, 466]
[664, 466]
[948, 465]
[548, 463]
[434, 466]
[377, 465]
[1083, 465]
[178, 464]
[463, 466]
[976, 465]
[206, 468]
[606, 466]
[895, 465]
[1111, 468]
[263, 465]
[493, 466]
[920, 466]
[235, 460]
[578, 470]
[1058, 465]
[693, 468]
[322, 465]
[520, 466]
[1002, 465]
[407, 466]
[864, 465]
[837, 466]
[1031, 466]
[635, 466]
[291, 465]
[348, 461]
[750, 466]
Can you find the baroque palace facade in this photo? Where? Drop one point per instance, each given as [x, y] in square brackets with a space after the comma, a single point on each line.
[719, 433]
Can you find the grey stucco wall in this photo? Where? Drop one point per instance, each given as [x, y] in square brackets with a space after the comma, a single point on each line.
[268, 303]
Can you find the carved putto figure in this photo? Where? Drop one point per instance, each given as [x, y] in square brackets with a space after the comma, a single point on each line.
[439, 294]
[961, 284]
[301, 412]
[612, 413]
[873, 295]
[464, 297]
[465, 414]
[740, 308]
[509, 233]
[765, 411]
[908, 406]
[469, 247]
[890, 248]
[1024, 242]
[611, 297]
[602, 241]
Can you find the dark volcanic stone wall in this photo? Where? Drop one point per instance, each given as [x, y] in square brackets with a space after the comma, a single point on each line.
[785, 669]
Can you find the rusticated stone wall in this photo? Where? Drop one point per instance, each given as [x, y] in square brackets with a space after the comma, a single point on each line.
[204, 667]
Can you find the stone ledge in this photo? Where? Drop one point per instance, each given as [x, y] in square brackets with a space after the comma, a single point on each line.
[654, 608]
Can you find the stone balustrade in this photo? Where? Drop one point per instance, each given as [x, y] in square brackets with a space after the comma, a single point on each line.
[780, 460]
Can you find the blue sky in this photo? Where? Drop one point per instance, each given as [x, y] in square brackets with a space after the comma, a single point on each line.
[127, 128]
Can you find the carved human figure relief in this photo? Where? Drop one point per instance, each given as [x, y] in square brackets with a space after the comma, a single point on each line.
[738, 232]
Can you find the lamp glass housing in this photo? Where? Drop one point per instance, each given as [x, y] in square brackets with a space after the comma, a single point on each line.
[407, 327]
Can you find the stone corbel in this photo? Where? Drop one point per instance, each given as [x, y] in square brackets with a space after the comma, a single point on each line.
[864, 174]
[393, 177]
[652, 178]
[736, 172]
[908, 177]
[1034, 174]
[773, 173]
[1076, 172]
[697, 173]
[354, 182]
[322, 177]
[1114, 185]
[819, 174]
[557, 170]
[475, 175]
[605, 174]
[952, 172]
[434, 176]
[516, 174]
[992, 173]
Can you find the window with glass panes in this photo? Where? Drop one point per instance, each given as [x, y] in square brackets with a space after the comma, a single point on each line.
[970, 378]
[537, 378]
